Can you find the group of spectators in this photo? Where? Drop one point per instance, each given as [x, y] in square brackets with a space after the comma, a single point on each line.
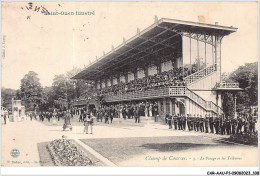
[46, 115]
[219, 125]
[174, 77]
[120, 110]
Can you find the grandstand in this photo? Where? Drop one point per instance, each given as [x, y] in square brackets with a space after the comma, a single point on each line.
[175, 63]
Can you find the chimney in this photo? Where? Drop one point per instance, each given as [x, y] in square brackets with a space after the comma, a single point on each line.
[216, 23]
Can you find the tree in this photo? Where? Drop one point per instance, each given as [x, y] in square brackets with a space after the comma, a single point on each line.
[82, 88]
[246, 76]
[31, 91]
[48, 96]
[63, 89]
[6, 97]
[228, 104]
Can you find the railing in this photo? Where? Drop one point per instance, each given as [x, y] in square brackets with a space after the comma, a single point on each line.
[165, 92]
[138, 95]
[227, 85]
[200, 74]
[184, 91]
[212, 106]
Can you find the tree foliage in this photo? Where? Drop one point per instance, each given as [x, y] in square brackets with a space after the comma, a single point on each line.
[228, 104]
[247, 77]
[31, 90]
[6, 97]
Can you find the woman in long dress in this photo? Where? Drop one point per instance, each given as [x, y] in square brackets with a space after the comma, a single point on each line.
[146, 111]
[120, 111]
[67, 123]
[150, 110]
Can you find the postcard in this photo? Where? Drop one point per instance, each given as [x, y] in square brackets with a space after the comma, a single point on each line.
[129, 84]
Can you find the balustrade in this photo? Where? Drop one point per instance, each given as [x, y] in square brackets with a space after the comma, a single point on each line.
[228, 85]
[138, 95]
[165, 92]
[200, 74]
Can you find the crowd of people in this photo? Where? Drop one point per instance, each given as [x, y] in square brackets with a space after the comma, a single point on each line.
[122, 110]
[173, 77]
[245, 123]
[51, 114]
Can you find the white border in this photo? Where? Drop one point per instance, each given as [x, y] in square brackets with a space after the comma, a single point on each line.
[119, 170]
[125, 170]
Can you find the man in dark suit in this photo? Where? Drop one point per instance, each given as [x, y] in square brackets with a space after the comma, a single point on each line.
[211, 124]
[175, 122]
[216, 125]
[106, 115]
[228, 125]
[201, 121]
[137, 113]
[197, 123]
[189, 122]
[179, 122]
[112, 113]
[233, 125]
[206, 123]
[239, 124]
[184, 120]
[124, 113]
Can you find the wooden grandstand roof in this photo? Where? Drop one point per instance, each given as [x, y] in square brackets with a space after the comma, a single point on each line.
[160, 40]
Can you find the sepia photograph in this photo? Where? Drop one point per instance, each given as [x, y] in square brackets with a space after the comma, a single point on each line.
[115, 84]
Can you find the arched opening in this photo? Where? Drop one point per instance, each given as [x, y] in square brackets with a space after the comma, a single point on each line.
[182, 109]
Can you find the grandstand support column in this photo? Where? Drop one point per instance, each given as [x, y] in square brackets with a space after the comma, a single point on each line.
[185, 107]
[96, 82]
[235, 105]
[177, 110]
[111, 80]
[159, 67]
[218, 40]
[198, 53]
[164, 105]
[218, 101]
[159, 107]
[126, 77]
[146, 70]
[105, 82]
[118, 78]
[135, 73]
[182, 61]
[190, 52]
[205, 52]
[188, 107]
[170, 106]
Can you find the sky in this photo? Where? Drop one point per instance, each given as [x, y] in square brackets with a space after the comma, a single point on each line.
[54, 44]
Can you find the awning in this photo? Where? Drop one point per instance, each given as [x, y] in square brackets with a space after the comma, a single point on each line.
[162, 40]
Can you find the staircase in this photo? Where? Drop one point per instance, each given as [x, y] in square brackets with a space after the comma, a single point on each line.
[200, 74]
[208, 106]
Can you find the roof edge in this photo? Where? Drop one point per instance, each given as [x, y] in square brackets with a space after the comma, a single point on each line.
[231, 28]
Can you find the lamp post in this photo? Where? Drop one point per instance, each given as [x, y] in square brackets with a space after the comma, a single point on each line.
[235, 106]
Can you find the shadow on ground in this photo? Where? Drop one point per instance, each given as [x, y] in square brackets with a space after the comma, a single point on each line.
[121, 149]
[170, 147]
